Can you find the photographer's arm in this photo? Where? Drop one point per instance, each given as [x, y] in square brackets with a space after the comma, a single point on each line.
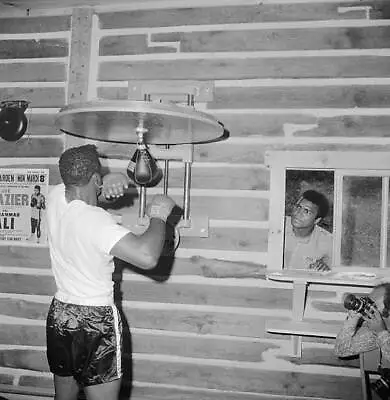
[377, 325]
[354, 339]
[383, 340]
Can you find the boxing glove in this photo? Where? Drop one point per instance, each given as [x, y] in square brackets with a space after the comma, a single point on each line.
[142, 168]
[34, 202]
[160, 207]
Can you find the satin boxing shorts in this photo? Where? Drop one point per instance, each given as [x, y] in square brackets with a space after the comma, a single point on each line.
[84, 342]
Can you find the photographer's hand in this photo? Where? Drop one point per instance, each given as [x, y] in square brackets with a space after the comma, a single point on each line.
[374, 319]
[352, 320]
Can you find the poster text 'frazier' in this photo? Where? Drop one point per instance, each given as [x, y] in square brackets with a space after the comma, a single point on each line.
[14, 199]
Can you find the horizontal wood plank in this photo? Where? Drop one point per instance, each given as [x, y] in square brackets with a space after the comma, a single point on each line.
[301, 124]
[16, 256]
[42, 124]
[201, 346]
[33, 48]
[146, 392]
[185, 293]
[37, 97]
[365, 96]
[199, 322]
[240, 68]
[33, 360]
[35, 72]
[303, 328]
[56, 23]
[230, 14]
[27, 284]
[345, 96]
[29, 147]
[241, 239]
[16, 392]
[6, 379]
[284, 383]
[131, 44]
[316, 38]
[24, 335]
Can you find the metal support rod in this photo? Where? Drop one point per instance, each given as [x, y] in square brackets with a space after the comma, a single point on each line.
[187, 185]
[190, 100]
[166, 173]
[142, 201]
[187, 174]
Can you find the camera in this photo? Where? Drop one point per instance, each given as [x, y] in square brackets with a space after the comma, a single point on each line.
[382, 386]
[358, 304]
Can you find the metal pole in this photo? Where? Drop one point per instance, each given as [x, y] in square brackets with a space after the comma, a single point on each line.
[166, 172]
[142, 201]
[187, 184]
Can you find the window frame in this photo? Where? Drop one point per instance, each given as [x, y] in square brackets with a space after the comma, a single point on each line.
[342, 163]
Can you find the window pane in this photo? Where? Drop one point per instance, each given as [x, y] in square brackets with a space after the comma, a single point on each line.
[309, 222]
[298, 181]
[361, 221]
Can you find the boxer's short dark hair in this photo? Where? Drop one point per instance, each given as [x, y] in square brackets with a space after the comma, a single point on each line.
[78, 164]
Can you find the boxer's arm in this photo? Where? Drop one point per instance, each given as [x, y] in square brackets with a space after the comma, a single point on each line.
[144, 250]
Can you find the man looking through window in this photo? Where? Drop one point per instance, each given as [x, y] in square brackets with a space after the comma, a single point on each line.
[307, 245]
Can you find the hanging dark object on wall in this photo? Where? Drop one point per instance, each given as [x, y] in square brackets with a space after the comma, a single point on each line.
[143, 168]
[13, 121]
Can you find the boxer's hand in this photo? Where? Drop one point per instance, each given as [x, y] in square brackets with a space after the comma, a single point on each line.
[160, 207]
[114, 185]
[374, 319]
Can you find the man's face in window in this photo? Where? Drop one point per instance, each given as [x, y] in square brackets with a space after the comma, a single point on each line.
[304, 214]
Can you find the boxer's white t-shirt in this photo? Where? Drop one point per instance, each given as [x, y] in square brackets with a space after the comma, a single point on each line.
[80, 238]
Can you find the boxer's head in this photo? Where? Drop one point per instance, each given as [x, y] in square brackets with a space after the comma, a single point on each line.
[79, 164]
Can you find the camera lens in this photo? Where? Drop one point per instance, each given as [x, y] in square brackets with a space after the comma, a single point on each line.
[351, 302]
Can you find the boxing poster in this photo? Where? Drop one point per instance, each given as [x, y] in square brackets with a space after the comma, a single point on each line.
[23, 195]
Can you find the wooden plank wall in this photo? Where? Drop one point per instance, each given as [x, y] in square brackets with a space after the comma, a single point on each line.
[288, 75]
